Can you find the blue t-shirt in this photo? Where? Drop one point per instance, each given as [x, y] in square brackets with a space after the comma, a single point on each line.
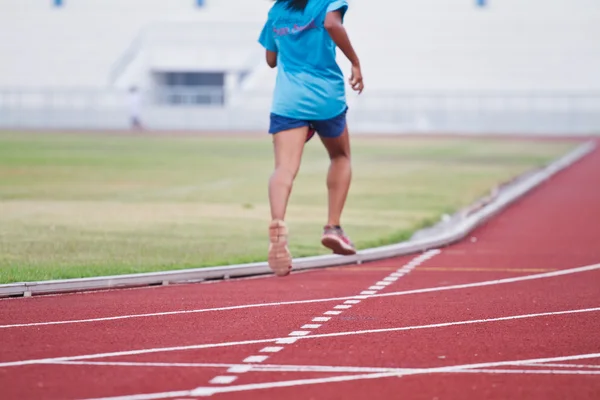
[310, 84]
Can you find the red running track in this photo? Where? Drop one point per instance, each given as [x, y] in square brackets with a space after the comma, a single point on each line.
[511, 312]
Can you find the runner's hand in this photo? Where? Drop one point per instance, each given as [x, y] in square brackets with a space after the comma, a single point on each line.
[356, 79]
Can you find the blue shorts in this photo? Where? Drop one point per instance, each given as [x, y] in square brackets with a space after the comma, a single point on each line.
[328, 128]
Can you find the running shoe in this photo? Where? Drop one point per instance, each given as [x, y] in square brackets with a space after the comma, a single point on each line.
[335, 239]
[280, 258]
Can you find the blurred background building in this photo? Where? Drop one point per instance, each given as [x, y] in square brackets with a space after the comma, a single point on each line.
[473, 66]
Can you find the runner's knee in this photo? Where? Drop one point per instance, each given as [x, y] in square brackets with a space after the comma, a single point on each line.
[285, 175]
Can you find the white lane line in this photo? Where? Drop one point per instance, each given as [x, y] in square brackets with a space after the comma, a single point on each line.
[255, 359]
[551, 274]
[310, 326]
[332, 312]
[271, 349]
[317, 336]
[494, 364]
[376, 287]
[391, 278]
[207, 391]
[383, 283]
[446, 324]
[493, 282]
[320, 368]
[527, 371]
[368, 292]
[233, 368]
[321, 319]
[146, 351]
[151, 396]
[314, 368]
[352, 302]
[580, 366]
[223, 380]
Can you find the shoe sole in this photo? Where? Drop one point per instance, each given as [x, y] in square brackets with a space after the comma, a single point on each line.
[281, 266]
[337, 246]
[279, 258]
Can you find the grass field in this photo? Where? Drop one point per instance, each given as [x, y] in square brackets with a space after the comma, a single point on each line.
[87, 205]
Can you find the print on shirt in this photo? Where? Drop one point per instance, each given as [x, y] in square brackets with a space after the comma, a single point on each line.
[294, 29]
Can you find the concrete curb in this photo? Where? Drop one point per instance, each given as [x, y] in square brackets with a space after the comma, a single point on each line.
[446, 232]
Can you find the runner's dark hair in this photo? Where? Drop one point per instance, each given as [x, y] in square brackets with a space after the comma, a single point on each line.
[296, 5]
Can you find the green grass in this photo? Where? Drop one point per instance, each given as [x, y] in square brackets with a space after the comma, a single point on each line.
[88, 205]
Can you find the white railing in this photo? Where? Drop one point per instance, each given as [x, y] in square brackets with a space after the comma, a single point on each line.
[372, 112]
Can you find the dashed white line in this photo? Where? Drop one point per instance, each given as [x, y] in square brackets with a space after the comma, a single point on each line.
[239, 369]
[311, 326]
[332, 312]
[343, 306]
[376, 287]
[352, 302]
[255, 359]
[223, 380]
[271, 349]
[290, 340]
[323, 319]
[368, 292]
